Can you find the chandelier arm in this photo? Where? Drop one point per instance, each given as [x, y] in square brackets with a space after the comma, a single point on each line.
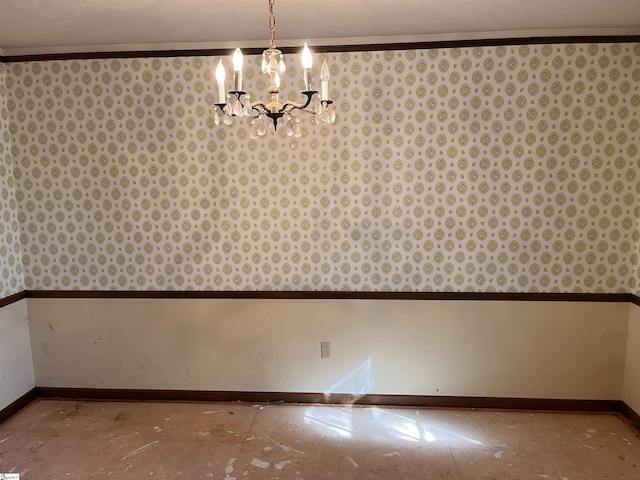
[288, 106]
[259, 107]
[299, 106]
[310, 111]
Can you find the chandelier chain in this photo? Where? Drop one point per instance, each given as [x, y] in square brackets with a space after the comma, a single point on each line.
[272, 25]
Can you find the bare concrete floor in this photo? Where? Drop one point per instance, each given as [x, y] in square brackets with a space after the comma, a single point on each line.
[56, 439]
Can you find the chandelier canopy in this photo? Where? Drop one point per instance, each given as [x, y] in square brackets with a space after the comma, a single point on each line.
[237, 103]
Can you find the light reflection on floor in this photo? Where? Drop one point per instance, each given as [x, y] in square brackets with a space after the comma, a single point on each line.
[339, 421]
[356, 422]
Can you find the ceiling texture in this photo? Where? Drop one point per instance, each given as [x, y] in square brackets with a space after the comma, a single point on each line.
[30, 27]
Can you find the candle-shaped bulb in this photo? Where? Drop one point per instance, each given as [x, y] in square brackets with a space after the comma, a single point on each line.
[220, 77]
[324, 77]
[307, 63]
[324, 71]
[220, 72]
[307, 58]
[238, 60]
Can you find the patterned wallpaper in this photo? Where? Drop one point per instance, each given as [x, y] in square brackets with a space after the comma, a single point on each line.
[11, 279]
[480, 169]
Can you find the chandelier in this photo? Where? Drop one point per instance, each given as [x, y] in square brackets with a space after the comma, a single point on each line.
[237, 103]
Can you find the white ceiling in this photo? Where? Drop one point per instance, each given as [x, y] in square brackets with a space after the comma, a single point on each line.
[61, 26]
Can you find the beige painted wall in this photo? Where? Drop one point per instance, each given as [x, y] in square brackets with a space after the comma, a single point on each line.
[631, 388]
[16, 364]
[465, 348]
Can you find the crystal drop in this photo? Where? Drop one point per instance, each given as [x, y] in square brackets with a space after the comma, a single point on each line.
[253, 131]
[297, 130]
[332, 114]
[273, 65]
[247, 105]
[288, 129]
[264, 65]
[282, 67]
[228, 119]
[216, 117]
[318, 107]
[237, 108]
[261, 128]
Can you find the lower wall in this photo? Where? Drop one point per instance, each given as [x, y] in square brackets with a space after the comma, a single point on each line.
[461, 348]
[16, 363]
[631, 387]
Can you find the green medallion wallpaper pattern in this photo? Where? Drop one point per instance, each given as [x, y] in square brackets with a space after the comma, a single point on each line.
[11, 279]
[478, 169]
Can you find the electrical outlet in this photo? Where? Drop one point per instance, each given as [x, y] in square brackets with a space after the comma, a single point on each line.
[325, 349]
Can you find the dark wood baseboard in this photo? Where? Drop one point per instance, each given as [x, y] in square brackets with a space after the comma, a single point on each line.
[630, 415]
[14, 407]
[560, 405]
[428, 401]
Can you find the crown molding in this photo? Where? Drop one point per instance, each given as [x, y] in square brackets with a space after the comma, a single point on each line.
[326, 45]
